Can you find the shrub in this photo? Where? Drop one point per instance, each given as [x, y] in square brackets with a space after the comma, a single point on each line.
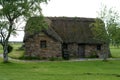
[22, 47]
[93, 54]
[29, 58]
[52, 58]
[10, 48]
[55, 59]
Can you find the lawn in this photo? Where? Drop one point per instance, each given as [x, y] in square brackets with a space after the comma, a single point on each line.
[115, 52]
[1, 49]
[63, 70]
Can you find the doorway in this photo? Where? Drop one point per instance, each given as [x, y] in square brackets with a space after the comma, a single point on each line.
[65, 54]
[81, 50]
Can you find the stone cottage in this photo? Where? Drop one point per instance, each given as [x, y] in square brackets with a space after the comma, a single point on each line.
[65, 36]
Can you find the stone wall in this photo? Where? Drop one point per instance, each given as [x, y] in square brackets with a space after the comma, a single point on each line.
[105, 51]
[32, 47]
[54, 48]
[73, 50]
[90, 51]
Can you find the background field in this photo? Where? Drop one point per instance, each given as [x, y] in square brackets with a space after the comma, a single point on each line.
[115, 52]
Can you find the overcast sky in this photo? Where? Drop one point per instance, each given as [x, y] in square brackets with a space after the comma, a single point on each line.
[72, 8]
[78, 8]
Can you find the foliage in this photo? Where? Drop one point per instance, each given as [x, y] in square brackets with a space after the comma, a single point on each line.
[115, 51]
[55, 59]
[116, 37]
[29, 58]
[84, 70]
[16, 53]
[111, 19]
[15, 8]
[10, 48]
[99, 31]
[93, 54]
[10, 13]
[34, 25]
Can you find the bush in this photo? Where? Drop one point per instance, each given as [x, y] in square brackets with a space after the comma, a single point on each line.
[22, 47]
[29, 58]
[52, 58]
[10, 48]
[93, 54]
[66, 56]
[55, 59]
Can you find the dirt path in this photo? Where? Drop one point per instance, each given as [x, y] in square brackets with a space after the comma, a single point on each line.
[1, 55]
[79, 59]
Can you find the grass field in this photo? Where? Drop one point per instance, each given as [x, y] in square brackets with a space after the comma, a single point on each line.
[83, 70]
[115, 52]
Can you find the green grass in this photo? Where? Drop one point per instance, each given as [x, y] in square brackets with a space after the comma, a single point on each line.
[84, 70]
[16, 54]
[1, 49]
[115, 52]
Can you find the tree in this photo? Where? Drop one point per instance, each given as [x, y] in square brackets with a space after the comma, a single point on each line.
[111, 17]
[99, 30]
[100, 33]
[10, 13]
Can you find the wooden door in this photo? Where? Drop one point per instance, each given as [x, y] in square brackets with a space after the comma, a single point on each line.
[81, 51]
[65, 53]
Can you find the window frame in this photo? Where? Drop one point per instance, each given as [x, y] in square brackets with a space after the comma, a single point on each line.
[98, 47]
[43, 44]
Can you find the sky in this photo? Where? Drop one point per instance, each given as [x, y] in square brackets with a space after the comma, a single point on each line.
[76, 8]
[72, 8]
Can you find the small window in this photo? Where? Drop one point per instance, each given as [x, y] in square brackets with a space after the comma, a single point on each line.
[98, 47]
[43, 44]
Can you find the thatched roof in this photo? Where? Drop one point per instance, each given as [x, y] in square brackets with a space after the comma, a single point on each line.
[50, 32]
[71, 30]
